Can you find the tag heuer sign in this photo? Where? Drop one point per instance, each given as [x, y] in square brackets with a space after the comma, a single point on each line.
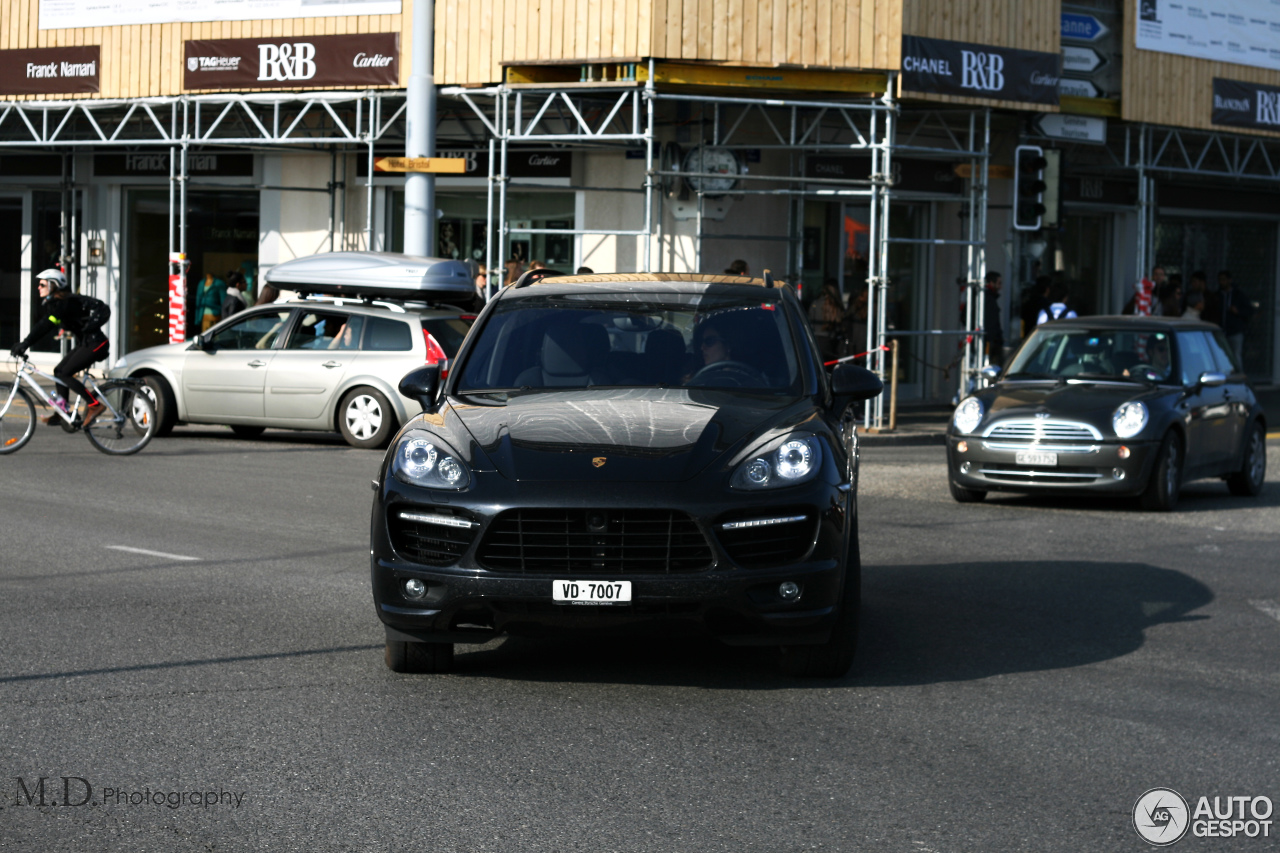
[50, 70]
[293, 62]
[980, 71]
[1250, 105]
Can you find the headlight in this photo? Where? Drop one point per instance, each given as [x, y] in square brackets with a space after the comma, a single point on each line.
[1129, 419]
[795, 459]
[968, 415]
[424, 460]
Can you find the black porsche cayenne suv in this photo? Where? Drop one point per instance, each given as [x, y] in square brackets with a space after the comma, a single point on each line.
[626, 453]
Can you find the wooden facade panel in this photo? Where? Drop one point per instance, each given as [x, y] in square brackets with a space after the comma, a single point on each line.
[1164, 89]
[1021, 24]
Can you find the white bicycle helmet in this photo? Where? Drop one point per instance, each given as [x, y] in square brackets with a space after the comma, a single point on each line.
[58, 281]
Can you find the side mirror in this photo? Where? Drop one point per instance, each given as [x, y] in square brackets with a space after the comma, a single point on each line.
[856, 383]
[421, 384]
[198, 342]
[1212, 380]
[991, 373]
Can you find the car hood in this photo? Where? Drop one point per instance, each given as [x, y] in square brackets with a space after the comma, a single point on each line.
[161, 352]
[1089, 402]
[619, 435]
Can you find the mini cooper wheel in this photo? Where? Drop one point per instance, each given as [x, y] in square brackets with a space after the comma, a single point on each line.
[1166, 476]
[966, 496]
[404, 656]
[365, 418]
[1247, 482]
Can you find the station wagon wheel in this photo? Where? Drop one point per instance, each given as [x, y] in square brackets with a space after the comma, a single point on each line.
[365, 418]
[418, 657]
[166, 405]
[1166, 476]
[1247, 482]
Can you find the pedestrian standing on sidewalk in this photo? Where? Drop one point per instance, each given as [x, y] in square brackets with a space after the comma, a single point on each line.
[992, 324]
[1058, 308]
[1232, 310]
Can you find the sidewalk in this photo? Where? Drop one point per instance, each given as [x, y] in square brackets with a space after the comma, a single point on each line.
[927, 424]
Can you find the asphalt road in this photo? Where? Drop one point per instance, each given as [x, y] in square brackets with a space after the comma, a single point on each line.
[197, 619]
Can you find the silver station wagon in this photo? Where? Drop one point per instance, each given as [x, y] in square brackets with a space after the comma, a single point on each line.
[329, 362]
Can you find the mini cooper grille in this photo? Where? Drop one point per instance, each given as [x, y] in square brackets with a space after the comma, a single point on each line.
[428, 544]
[771, 545]
[585, 541]
[1042, 430]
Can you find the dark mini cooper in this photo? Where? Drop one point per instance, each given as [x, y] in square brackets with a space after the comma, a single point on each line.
[1120, 405]
[626, 453]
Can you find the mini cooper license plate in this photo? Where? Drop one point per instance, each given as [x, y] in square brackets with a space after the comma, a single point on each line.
[591, 592]
[1036, 457]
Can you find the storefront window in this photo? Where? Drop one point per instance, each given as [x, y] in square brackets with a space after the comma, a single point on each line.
[460, 232]
[10, 270]
[222, 238]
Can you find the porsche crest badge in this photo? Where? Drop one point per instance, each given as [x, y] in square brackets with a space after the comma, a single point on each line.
[598, 461]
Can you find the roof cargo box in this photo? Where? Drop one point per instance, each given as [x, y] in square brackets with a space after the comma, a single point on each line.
[381, 275]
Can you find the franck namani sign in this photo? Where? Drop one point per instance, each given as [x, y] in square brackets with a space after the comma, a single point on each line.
[1246, 104]
[370, 59]
[50, 70]
[980, 71]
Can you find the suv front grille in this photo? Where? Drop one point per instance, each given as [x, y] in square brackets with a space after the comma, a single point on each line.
[590, 541]
[427, 543]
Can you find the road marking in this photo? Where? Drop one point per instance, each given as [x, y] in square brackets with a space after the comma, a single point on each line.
[1268, 607]
[150, 553]
[1273, 435]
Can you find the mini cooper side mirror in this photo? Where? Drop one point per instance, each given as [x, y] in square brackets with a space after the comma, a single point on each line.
[991, 372]
[421, 384]
[1212, 380]
[854, 382]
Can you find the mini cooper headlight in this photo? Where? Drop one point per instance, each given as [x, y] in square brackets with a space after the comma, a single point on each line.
[968, 415]
[795, 459]
[422, 459]
[1129, 419]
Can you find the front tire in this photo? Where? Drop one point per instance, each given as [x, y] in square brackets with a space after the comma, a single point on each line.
[1247, 482]
[366, 419]
[402, 656]
[163, 399]
[1166, 477]
[18, 423]
[833, 658]
[966, 496]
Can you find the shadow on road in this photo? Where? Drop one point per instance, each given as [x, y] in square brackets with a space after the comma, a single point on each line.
[921, 625]
[1196, 496]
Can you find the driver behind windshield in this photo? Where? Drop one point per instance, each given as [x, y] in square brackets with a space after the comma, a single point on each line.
[1156, 364]
[711, 343]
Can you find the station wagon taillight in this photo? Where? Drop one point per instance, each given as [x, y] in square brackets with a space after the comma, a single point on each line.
[436, 355]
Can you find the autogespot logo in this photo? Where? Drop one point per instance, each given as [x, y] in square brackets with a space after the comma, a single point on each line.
[1160, 817]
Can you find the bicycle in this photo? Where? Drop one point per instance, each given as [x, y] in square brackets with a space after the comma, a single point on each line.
[126, 426]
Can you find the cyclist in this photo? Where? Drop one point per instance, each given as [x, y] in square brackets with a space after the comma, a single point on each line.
[82, 315]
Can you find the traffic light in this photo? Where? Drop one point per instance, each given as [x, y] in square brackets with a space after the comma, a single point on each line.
[1028, 187]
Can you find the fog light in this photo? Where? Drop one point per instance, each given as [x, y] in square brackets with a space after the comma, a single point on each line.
[1118, 473]
[414, 588]
[789, 590]
[964, 467]
[962, 447]
[1123, 452]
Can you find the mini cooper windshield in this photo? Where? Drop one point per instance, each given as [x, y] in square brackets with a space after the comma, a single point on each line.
[663, 340]
[1122, 355]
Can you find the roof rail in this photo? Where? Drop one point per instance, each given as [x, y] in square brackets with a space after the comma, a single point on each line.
[533, 276]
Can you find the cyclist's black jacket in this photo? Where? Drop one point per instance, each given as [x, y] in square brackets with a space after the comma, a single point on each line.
[80, 314]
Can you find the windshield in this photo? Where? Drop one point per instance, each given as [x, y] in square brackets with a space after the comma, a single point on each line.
[1117, 354]
[634, 340]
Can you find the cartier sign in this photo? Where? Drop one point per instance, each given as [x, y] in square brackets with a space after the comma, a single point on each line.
[50, 70]
[367, 59]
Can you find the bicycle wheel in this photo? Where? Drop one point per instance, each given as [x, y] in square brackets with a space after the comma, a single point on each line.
[18, 423]
[128, 423]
